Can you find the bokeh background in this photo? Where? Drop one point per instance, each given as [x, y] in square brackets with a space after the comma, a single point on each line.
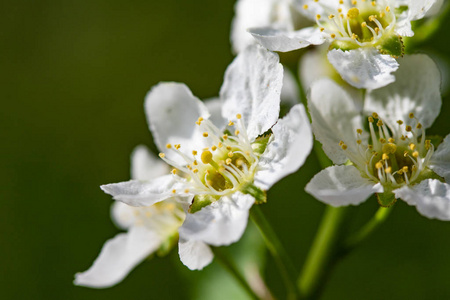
[73, 78]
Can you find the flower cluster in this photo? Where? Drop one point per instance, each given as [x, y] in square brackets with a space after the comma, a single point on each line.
[219, 157]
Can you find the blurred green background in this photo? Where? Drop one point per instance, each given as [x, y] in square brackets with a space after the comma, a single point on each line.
[74, 75]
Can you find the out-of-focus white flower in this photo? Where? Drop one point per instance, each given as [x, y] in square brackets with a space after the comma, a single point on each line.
[220, 169]
[394, 159]
[365, 36]
[279, 14]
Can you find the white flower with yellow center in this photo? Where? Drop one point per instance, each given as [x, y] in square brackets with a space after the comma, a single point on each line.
[220, 168]
[393, 157]
[365, 36]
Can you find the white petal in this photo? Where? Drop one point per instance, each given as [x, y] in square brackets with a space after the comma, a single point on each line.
[214, 106]
[123, 215]
[416, 90]
[284, 40]
[364, 67]
[435, 9]
[172, 111]
[221, 223]
[257, 13]
[403, 25]
[314, 65]
[118, 257]
[290, 94]
[341, 186]
[431, 198]
[335, 117]
[194, 254]
[252, 88]
[145, 165]
[140, 193]
[315, 8]
[440, 161]
[287, 151]
[418, 8]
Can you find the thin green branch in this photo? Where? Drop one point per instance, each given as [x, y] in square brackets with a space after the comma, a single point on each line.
[277, 250]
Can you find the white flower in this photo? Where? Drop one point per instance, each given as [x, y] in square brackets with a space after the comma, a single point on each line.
[149, 229]
[394, 159]
[259, 13]
[220, 168]
[365, 36]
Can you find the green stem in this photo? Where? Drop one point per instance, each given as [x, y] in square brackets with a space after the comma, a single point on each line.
[378, 219]
[322, 253]
[229, 265]
[277, 250]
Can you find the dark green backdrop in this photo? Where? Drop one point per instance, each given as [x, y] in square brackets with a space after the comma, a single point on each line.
[73, 78]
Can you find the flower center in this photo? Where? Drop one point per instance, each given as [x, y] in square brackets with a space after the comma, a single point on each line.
[220, 169]
[358, 23]
[396, 156]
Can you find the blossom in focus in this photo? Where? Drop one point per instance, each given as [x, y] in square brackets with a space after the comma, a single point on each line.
[393, 158]
[149, 229]
[365, 36]
[221, 166]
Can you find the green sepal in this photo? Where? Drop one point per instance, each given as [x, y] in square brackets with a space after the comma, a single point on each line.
[343, 45]
[392, 45]
[260, 143]
[259, 195]
[201, 201]
[167, 245]
[428, 174]
[386, 199]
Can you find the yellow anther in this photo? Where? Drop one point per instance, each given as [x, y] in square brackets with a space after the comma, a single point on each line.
[207, 172]
[400, 172]
[370, 119]
[405, 169]
[372, 18]
[391, 140]
[238, 116]
[403, 138]
[316, 0]
[359, 131]
[230, 123]
[352, 13]
[219, 145]
[388, 9]
[354, 36]
[415, 154]
[354, 2]
[382, 14]
[174, 191]
[339, 10]
[341, 143]
[385, 156]
[168, 146]
[206, 157]
[195, 170]
[199, 121]
[389, 148]
[341, 16]
[412, 146]
[332, 35]
[228, 161]
[358, 142]
[388, 170]
[247, 153]
[195, 163]
[205, 134]
[162, 155]
[236, 132]
[194, 152]
[374, 3]
[229, 148]
[370, 147]
[177, 146]
[214, 148]
[382, 140]
[378, 165]
[174, 171]
[411, 115]
[230, 154]
[363, 24]
[427, 144]
[405, 154]
[375, 115]
[322, 29]
[408, 128]
[305, 6]
[377, 29]
[225, 136]
[186, 191]
[331, 16]
[189, 167]
[317, 17]
[341, 1]
[344, 147]
[419, 125]
[413, 168]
